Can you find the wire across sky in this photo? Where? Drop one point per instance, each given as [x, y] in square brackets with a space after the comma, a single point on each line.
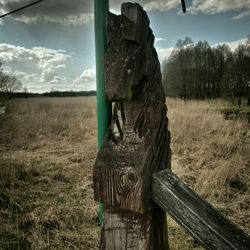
[21, 8]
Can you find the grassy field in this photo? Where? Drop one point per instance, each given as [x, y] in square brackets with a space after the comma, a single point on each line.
[47, 152]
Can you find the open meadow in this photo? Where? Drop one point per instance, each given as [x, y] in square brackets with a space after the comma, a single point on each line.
[48, 148]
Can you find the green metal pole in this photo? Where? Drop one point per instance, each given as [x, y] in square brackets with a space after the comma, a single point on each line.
[101, 8]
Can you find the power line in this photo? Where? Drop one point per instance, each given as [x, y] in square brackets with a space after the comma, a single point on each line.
[21, 8]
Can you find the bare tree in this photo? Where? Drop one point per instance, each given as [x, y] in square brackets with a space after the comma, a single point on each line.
[9, 84]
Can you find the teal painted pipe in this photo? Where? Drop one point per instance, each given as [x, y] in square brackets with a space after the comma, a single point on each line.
[101, 8]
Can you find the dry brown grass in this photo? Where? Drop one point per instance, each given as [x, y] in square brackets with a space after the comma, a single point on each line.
[48, 148]
[47, 152]
[212, 155]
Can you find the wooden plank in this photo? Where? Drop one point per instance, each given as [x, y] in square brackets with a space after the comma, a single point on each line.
[209, 227]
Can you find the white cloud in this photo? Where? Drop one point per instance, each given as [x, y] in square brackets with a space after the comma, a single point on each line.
[233, 44]
[67, 20]
[72, 12]
[50, 62]
[161, 5]
[216, 7]
[35, 66]
[242, 14]
[58, 80]
[41, 69]
[65, 12]
[28, 80]
[197, 6]
[160, 39]
[81, 12]
[7, 69]
[164, 53]
[20, 74]
[148, 5]
[87, 79]
[31, 77]
[47, 62]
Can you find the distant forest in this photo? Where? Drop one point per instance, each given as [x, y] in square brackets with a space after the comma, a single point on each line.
[50, 94]
[199, 71]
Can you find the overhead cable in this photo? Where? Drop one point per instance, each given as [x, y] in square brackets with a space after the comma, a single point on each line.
[21, 8]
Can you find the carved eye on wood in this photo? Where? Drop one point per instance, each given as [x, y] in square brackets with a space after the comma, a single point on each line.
[132, 42]
[128, 179]
[109, 43]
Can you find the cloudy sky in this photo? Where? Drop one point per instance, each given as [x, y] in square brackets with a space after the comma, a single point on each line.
[51, 45]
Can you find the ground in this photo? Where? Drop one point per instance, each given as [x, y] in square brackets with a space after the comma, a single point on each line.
[47, 152]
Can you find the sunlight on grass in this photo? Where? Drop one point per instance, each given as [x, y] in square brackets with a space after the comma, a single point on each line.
[47, 152]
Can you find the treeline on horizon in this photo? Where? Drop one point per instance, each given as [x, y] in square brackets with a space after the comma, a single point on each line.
[199, 71]
[50, 94]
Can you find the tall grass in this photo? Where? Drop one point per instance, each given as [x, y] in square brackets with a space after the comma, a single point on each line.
[47, 152]
[42, 118]
[212, 155]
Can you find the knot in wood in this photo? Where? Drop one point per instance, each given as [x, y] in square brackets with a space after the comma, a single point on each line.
[128, 179]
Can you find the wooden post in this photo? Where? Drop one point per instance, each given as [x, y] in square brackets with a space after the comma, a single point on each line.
[137, 143]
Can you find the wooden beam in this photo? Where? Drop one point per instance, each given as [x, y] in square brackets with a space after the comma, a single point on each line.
[207, 225]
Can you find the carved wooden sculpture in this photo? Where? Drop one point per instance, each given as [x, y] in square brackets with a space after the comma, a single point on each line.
[137, 143]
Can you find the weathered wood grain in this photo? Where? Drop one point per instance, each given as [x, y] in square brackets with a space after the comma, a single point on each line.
[130, 231]
[138, 141]
[197, 216]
